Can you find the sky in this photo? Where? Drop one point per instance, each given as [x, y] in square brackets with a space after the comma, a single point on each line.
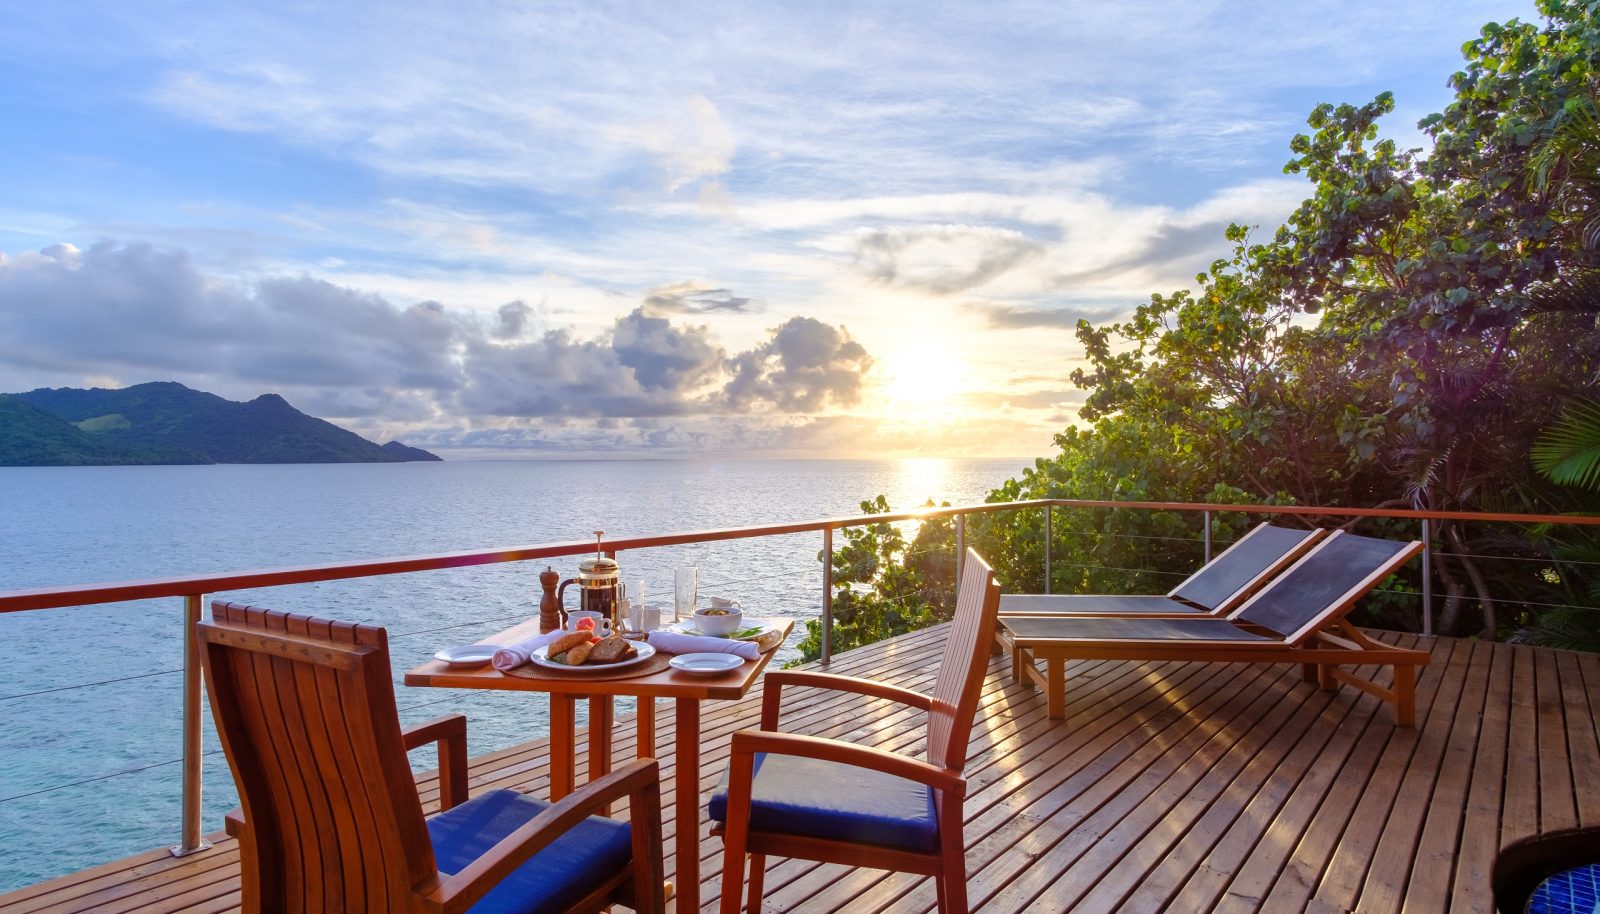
[644, 229]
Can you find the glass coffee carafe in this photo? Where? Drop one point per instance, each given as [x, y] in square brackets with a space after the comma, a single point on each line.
[597, 585]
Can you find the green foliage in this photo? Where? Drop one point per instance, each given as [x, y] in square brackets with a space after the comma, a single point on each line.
[885, 585]
[1569, 451]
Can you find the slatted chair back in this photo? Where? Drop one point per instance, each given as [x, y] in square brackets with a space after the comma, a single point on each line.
[305, 708]
[966, 659]
[1241, 568]
[1324, 586]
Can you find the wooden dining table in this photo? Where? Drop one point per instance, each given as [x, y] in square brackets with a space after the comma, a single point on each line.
[687, 690]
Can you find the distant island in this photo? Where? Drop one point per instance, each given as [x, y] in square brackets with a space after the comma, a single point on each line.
[164, 422]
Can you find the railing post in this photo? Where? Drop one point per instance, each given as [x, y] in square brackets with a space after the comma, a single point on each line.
[1047, 537]
[191, 841]
[1207, 516]
[1427, 577]
[827, 595]
[961, 546]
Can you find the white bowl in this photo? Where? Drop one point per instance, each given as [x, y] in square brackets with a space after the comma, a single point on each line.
[708, 664]
[719, 622]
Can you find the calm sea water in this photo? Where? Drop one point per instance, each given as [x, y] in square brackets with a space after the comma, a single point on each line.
[62, 526]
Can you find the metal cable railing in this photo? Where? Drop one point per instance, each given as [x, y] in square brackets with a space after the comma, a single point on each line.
[193, 588]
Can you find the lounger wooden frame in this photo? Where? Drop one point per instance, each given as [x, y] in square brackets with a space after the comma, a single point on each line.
[1322, 643]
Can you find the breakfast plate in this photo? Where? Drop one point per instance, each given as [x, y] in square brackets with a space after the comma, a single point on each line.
[706, 664]
[539, 658]
[467, 654]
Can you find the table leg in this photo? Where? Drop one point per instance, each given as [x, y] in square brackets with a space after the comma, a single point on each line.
[600, 714]
[1056, 695]
[563, 745]
[645, 739]
[686, 841]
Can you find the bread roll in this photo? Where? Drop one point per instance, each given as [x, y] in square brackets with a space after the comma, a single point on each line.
[566, 643]
[577, 655]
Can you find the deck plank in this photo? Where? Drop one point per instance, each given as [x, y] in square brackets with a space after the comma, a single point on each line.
[1168, 786]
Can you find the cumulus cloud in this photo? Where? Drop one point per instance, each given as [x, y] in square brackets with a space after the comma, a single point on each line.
[805, 366]
[941, 259]
[139, 313]
[693, 298]
[511, 320]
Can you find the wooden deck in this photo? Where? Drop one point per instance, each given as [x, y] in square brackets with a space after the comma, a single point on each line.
[1170, 786]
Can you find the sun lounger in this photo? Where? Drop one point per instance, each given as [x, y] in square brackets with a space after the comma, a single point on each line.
[1298, 617]
[1216, 589]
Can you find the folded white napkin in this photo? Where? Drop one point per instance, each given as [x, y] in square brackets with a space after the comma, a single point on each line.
[511, 656]
[676, 643]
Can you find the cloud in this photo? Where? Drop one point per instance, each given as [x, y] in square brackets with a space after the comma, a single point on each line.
[664, 357]
[804, 367]
[941, 259]
[139, 313]
[512, 320]
[1012, 317]
[693, 298]
[694, 143]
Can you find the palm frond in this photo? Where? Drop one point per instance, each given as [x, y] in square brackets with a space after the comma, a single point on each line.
[1569, 451]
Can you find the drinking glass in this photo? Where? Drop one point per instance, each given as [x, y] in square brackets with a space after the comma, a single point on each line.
[685, 589]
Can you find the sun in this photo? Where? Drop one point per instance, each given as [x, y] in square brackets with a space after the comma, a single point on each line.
[922, 377]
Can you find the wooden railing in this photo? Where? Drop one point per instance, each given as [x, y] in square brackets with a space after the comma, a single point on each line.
[194, 588]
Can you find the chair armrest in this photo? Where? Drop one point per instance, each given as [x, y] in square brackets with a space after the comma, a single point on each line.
[750, 742]
[233, 822]
[773, 683]
[639, 782]
[450, 732]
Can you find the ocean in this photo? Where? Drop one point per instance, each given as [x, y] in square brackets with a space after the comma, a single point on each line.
[90, 696]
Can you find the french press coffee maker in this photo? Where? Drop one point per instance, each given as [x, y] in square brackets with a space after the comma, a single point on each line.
[597, 584]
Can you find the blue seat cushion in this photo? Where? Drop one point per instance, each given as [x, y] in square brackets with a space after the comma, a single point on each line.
[1576, 891]
[802, 796]
[553, 879]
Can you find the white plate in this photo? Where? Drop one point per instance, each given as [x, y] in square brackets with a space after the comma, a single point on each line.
[467, 654]
[686, 627]
[705, 664]
[539, 658]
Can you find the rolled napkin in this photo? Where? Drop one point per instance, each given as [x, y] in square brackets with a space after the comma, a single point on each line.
[675, 643]
[511, 656]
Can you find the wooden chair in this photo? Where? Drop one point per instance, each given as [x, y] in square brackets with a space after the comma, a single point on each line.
[837, 802]
[1217, 589]
[330, 818]
[1298, 617]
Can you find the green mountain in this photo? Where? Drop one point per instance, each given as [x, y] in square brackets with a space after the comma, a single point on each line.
[166, 422]
[32, 437]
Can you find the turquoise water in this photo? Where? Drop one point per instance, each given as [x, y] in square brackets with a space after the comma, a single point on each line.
[76, 525]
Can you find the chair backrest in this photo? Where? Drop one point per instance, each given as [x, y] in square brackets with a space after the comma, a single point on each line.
[1324, 585]
[1228, 579]
[966, 659]
[305, 708]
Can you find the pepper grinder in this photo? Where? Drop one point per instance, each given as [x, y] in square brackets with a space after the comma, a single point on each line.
[549, 604]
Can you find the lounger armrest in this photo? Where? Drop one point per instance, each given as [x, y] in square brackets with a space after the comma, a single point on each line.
[639, 782]
[773, 683]
[450, 732]
[746, 743]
